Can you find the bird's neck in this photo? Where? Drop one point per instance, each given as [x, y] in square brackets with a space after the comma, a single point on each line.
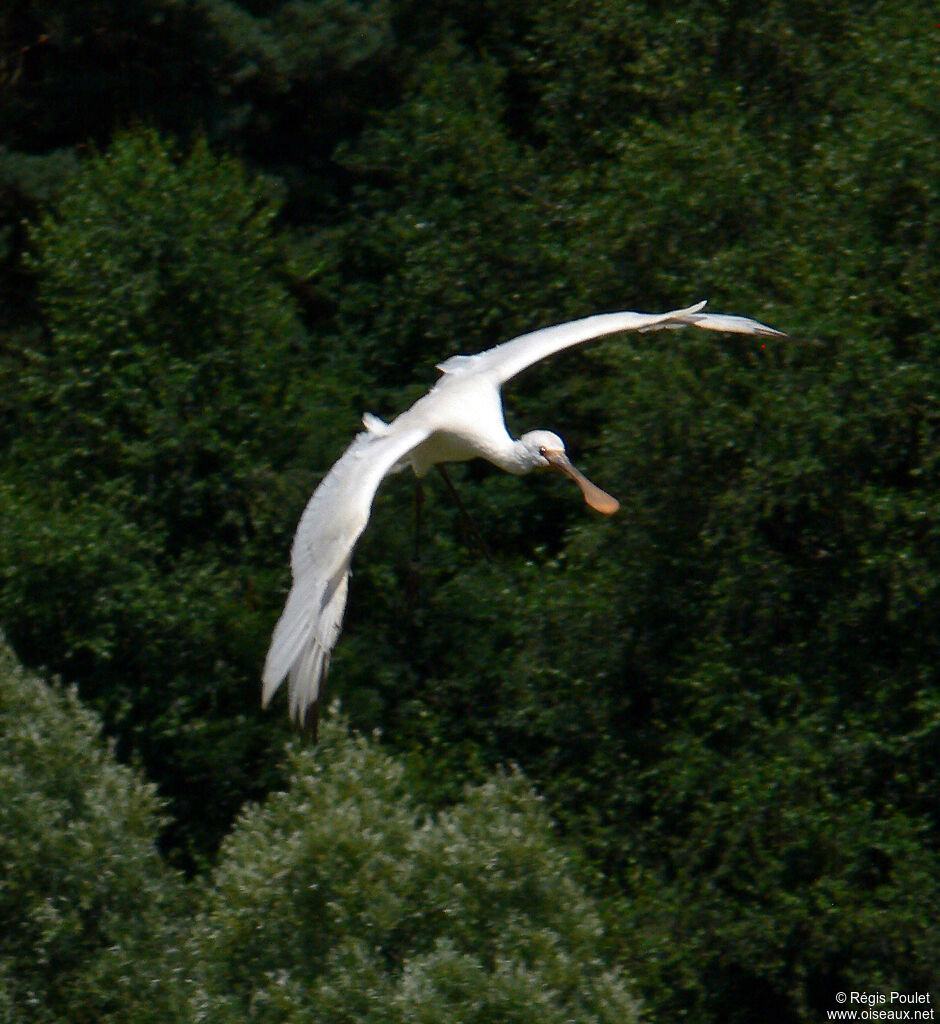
[512, 458]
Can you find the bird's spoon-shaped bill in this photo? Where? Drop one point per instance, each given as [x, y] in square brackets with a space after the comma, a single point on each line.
[593, 495]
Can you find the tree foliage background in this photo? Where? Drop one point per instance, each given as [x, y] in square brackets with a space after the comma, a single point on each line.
[226, 229]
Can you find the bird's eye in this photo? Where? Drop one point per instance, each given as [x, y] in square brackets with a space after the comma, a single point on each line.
[542, 450]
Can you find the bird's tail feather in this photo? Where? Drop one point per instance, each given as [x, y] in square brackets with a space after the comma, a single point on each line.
[303, 639]
[292, 633]
[306, 675]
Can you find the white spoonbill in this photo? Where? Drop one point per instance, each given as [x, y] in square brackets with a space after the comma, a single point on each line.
[460, 418]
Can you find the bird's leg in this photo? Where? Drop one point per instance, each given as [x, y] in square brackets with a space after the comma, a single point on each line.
[419, 507]
[310, 721]
[414, 570]
[467, 518]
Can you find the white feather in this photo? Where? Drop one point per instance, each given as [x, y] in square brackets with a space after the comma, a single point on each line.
[331, 524]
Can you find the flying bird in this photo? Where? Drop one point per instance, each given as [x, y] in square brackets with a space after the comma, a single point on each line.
[460, 418]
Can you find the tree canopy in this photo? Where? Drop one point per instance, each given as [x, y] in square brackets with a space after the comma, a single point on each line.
[340, 898]
[229, 228]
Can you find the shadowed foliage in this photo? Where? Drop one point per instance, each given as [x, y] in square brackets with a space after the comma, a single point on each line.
[727, 694]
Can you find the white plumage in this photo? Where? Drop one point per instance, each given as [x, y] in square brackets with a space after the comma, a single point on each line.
[460, 418]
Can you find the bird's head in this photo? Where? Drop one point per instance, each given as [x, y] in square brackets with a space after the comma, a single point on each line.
[545, 450]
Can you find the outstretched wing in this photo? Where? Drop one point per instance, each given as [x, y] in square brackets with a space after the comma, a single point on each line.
[504, 361]
[328, 530]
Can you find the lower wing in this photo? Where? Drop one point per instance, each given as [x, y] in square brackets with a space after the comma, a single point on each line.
[327, 533]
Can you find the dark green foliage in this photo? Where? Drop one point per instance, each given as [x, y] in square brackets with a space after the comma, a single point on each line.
[796, 832]
[146, 442]
[167, 324]
[727, 693]
[70, 72]
[344, 900]
[89, 914]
